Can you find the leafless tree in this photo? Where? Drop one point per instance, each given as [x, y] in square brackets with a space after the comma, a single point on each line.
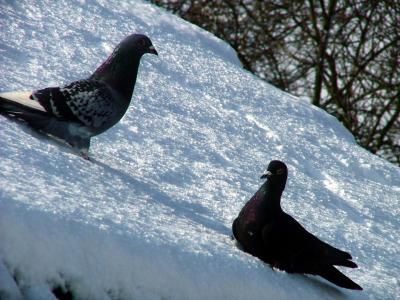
[342, 54]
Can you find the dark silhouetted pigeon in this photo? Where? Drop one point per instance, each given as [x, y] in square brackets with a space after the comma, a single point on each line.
[84, 108]
[264, 230]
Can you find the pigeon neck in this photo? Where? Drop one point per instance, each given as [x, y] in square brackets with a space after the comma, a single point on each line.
[120, 76]
[272, 198]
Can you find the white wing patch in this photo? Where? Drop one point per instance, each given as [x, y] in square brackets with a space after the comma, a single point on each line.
[24, 99]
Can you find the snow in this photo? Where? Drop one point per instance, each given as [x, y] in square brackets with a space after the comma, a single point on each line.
[150, 216]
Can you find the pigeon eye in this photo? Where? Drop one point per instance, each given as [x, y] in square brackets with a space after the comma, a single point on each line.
[279, 172]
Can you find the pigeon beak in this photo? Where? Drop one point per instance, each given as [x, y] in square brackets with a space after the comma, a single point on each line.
[152, 50]
[267, 174]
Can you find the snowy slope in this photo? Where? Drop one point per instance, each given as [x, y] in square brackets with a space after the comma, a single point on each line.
[150, 217]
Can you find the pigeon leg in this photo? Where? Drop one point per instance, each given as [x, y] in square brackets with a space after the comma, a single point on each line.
[85, 156]
[83, 146]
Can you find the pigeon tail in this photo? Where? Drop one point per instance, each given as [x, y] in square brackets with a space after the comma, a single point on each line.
[38, 119]
[333, 275]
[46, 123]
[346, 263]
[337, 257]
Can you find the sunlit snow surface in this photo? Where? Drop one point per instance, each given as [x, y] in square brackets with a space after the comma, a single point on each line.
[150, 217]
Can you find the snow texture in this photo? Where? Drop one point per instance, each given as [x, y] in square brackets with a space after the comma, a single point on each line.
[150, 217]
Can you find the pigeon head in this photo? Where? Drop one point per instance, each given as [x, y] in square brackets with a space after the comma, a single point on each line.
[276, 174]
[137, 44]
[121, 67]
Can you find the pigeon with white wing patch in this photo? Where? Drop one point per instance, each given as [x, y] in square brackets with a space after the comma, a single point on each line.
[82, 109]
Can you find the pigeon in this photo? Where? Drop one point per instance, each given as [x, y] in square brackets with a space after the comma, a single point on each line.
[264, 230]
[82, 109]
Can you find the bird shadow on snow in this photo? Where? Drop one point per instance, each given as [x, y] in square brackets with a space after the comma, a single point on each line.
[311, 281]
[11, 53]
[317, 283]
[42, 137]
[336, 202]
[192, 211]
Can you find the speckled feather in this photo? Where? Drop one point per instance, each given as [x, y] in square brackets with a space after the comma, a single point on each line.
[88, 102]
[85, 108]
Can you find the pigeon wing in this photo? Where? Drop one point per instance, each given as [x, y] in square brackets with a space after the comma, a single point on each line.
[87, 102]
[297, 250]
